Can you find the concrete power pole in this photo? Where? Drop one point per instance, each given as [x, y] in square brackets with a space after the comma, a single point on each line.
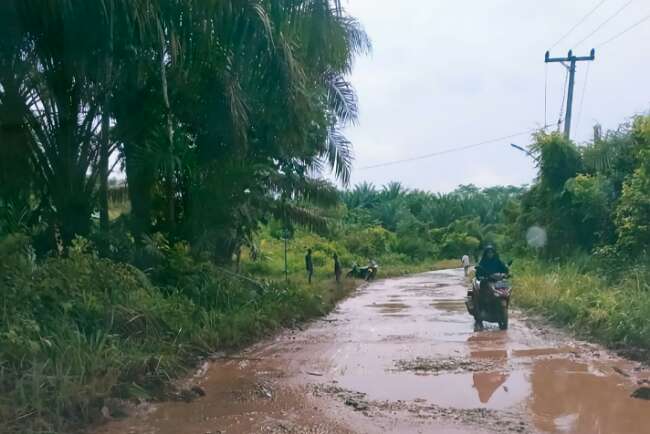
[571, 67]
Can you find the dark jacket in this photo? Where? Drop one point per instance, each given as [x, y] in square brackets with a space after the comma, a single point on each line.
[489, 266]
[309, 263]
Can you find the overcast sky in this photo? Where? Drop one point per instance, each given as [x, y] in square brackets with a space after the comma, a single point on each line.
[449, 73]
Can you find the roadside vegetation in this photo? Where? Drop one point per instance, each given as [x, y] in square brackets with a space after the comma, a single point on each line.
[79, 329]
[588, 263]
[613, 311]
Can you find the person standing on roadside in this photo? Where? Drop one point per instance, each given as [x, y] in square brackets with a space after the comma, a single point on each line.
[309, 265]
[465, 261]
[337, 268]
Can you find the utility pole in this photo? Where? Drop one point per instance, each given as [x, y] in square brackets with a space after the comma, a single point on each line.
[571, 67]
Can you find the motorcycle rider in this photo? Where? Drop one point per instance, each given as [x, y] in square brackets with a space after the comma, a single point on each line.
[490, 264]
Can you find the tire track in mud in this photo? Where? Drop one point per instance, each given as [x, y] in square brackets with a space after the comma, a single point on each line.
[401, 356]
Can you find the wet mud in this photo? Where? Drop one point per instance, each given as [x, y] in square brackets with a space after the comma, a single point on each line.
[401, 356]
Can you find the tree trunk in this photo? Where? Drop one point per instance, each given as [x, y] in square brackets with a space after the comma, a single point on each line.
[74, 216]
[105, 143]
[140, 178]
[169, 175]
[16, 172]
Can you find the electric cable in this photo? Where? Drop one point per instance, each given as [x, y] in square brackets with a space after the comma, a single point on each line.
[452, 150]
[582, 20]
[618, 35]
[604, 23]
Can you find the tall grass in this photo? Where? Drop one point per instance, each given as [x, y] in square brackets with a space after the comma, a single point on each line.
[582, 298]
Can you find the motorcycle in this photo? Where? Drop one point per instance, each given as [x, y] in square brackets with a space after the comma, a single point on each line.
[489, 300]
[366, 273]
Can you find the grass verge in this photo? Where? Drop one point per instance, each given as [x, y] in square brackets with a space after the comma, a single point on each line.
[615, 314]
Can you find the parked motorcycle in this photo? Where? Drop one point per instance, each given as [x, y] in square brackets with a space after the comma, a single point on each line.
[366, 273]
[489, 300]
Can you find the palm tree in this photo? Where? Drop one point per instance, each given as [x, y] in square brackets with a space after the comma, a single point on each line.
[393, 190]
[200, 98]
[16, 172]
[57, 98]
[363, 195]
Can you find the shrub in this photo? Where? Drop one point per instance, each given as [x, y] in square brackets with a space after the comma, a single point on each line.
[369, 242]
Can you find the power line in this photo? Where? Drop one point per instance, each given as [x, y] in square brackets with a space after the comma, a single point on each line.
[604, 23]
[454, 149]
[618, 35]
[582, 20]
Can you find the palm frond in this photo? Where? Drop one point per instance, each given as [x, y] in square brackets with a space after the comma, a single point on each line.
[259, 12]
[297, 215]
[238, 108]
[338, 153]
[342, 98]
[358, 41]
[601, 155]
[318, 192]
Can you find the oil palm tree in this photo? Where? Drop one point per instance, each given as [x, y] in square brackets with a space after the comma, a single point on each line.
[195, 95]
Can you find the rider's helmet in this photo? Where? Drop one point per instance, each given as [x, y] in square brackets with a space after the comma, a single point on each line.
[489, 251]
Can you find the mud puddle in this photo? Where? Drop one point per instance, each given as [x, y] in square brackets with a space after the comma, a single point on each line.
[401, 357]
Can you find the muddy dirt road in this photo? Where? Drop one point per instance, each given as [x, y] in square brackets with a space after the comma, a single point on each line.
[400, 356]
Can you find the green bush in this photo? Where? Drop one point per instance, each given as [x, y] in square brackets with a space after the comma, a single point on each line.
[414, 247]
[456, 244]
[369, 242]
